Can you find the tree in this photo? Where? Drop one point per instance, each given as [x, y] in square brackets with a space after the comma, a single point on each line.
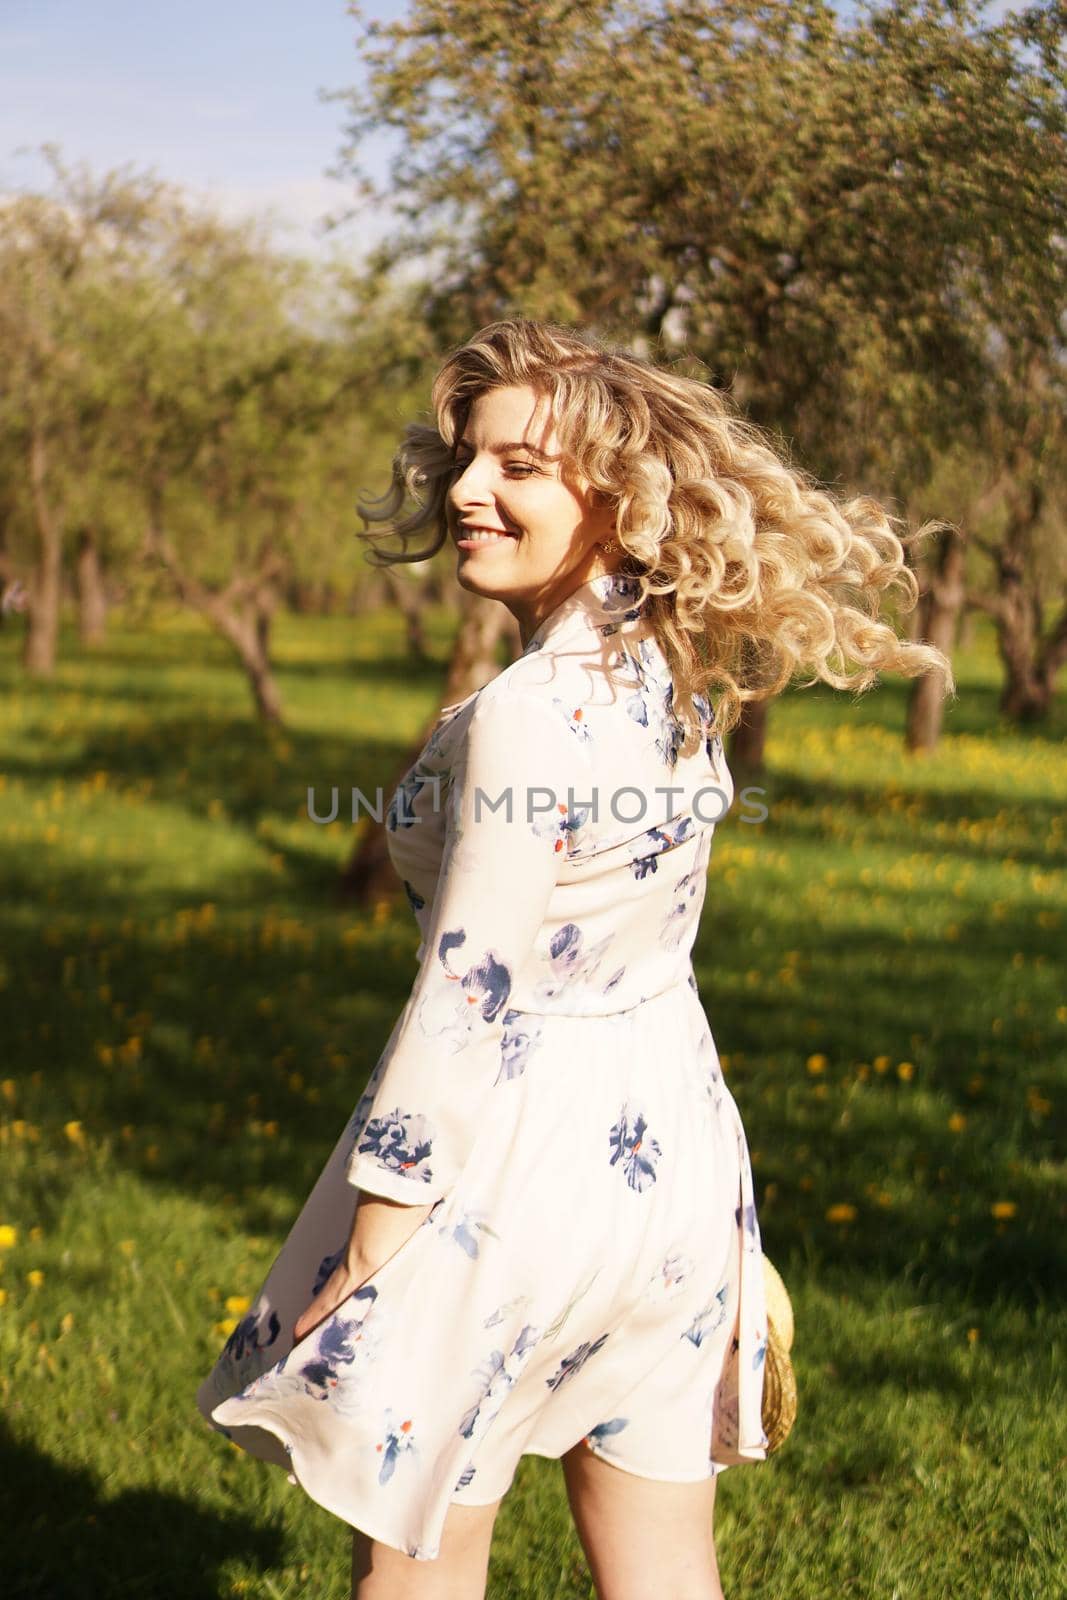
[782, 197]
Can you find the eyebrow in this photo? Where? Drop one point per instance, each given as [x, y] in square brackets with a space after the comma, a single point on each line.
[503, 449]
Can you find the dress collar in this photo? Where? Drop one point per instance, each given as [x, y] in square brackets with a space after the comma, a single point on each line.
[608, 604]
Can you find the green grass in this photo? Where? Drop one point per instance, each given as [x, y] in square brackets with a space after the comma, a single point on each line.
[190, 1015]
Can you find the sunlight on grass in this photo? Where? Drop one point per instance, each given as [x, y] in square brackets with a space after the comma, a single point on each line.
[190, 1016]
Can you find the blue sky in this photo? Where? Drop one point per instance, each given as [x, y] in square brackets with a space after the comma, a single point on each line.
[218, 95]
[221, 97]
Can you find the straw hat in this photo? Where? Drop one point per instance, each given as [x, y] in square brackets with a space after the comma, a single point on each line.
[779, 1382]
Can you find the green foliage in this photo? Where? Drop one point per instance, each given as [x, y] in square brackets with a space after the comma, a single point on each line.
[188, 1022]
[798, 200]
[189, 380]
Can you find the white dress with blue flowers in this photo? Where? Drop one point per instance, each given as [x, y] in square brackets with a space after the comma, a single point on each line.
[590, 1269]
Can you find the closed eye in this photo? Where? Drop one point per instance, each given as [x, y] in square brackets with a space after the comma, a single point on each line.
[514, 469]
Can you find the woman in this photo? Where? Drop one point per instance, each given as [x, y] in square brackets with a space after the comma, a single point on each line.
[537, 1234]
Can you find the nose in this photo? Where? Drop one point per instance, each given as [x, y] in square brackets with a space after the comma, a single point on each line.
[470, 487]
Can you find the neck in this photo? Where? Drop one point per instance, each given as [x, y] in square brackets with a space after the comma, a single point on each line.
[530, 616]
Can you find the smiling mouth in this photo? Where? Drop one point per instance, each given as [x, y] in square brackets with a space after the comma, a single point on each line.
[473, 536]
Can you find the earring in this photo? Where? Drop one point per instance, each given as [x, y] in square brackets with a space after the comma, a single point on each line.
[611, 546]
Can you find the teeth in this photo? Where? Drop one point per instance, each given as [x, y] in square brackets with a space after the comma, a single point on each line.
[483, 537]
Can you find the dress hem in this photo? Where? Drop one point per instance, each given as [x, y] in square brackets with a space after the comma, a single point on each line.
[367, 1525]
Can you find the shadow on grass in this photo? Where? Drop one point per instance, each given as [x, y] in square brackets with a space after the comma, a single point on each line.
[62, 1540]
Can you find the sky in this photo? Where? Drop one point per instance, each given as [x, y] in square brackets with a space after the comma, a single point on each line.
[220, 96]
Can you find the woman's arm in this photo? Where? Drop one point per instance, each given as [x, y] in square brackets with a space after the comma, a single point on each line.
[498, 870]
[379, 1228]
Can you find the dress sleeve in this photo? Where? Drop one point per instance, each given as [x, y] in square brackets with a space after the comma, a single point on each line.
[508, 809]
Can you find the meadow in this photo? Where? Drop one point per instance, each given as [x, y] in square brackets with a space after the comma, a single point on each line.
[190, 1014]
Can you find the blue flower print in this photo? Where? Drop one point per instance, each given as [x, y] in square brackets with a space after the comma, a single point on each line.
[518, 1041]
[463, 1232]
[466, 1478]
[706, 1321]
[415, 900]
[616, 978]
[400, 1142]
[575, 1362]
[648, 846]
[398, 1441]
[326, 1267]
[651, 705]
[672, 1277]
[604, 1430]
[638, 1155]
[450, 1013]
[401, 809]
[618, 592]
[497, 1373]
[251, 1334]
[685, 908]
[565, 823]
[575, 719]
[335, 1350]
[570, 961]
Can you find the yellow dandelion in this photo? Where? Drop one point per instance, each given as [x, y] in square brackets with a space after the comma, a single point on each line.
[225, 1328]
[35, 1278]
[816, 1064]
[237, 1304]
[127, 1246]
[957, 1122]
[881, 1064]
[1003, 1209]
[3, 1297]
[8, 1236]
[905, 1070]
[74, 1133]
[9, 1090]
[841, 1213]
[972, 1335]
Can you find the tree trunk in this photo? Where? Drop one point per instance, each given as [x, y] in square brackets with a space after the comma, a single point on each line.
[938, 610]
[92, 599]
[241, 613]
[1027, 691]
[42, 622]
[745, 750]
[246, 638]
[369, 874]
[408, 598]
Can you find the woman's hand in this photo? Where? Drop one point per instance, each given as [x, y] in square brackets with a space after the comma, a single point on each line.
[379, 1228]
[342, 1282]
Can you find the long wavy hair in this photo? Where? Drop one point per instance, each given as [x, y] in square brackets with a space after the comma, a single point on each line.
[751, 573]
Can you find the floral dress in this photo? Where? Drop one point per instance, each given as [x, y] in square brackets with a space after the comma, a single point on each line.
[590, 1269]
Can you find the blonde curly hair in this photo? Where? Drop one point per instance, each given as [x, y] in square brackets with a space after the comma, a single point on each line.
[750, 572]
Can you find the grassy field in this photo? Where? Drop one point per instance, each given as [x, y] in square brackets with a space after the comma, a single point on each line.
[190, 1015]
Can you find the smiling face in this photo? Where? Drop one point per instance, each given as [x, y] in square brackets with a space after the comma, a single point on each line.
[545, 529]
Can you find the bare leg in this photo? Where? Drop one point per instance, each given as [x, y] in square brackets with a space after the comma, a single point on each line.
[459, 1573]
[642, 1536]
